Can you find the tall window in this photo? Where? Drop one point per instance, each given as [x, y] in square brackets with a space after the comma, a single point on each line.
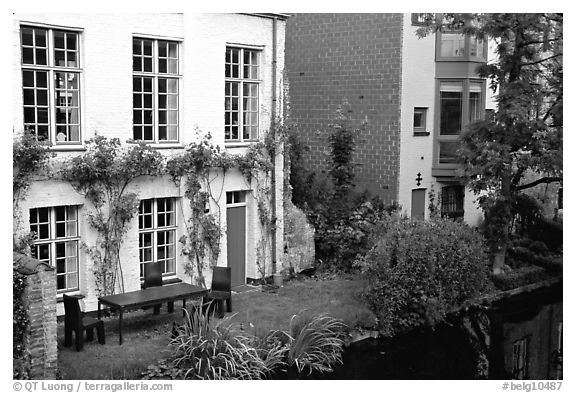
[51, 84]
[155, 64]
[157, 231]
[241, 107]
[520, 359]
[461, 102]
[56, 242]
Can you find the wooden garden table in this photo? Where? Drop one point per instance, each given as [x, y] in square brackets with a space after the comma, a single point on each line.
[149, 297]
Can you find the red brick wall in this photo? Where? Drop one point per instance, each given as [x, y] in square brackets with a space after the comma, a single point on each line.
[354, 57]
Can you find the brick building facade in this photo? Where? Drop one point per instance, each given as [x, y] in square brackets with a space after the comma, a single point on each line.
[332, 58]
[399, 85]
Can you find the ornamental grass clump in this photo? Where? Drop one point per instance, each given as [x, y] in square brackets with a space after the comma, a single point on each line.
[226, 350]
[419, 271]
[315, 343]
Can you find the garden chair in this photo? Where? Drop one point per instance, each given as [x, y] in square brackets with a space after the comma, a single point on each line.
[153, 278]
[221, 289]
[75, 321]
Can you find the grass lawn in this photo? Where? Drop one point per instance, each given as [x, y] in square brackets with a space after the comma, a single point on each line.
[147, 336]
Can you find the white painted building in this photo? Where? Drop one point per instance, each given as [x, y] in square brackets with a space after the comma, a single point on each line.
[157, 78]
[440, 94]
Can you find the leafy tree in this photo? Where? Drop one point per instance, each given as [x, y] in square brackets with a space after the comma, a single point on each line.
[502, 155]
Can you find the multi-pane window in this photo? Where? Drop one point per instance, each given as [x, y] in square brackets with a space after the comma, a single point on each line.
[51, 84]
[520, 359]
[155, 64]
[461, 102]
[452, 201]
[460, 47]
[452, 45]
[56, 242]
[241, 96]
[157, 233]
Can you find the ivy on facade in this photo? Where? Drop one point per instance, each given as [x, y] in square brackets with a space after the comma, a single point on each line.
[102, 175]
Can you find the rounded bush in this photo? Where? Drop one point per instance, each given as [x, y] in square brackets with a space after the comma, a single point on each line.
[420, 270]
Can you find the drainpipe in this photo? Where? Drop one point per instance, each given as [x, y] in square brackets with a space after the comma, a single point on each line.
[273, 153]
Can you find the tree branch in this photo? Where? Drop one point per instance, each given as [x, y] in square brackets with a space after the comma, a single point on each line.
[541, 60]
[547, 179]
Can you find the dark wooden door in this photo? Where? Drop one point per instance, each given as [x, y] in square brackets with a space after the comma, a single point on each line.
[236, 244]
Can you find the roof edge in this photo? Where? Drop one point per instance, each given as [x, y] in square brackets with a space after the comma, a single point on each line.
[268, 15]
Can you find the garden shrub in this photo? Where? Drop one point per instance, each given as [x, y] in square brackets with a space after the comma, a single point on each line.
[418, 271]
[342, 216]
[226, 350]
[519, 277]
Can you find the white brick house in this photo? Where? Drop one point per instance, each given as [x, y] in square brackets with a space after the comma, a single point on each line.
[156, 78]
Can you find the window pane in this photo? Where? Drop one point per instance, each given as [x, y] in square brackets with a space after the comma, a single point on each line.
[59, 40]
[448, 152]
[27, 55]
[162, 66]
[71, 41]
[27, 36]
[147, 64]
[162, 85]
[42, 97]
[41, 57]
[450, 113]
[40, 36]
[452, 45]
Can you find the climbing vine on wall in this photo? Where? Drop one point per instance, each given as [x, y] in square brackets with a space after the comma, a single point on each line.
[102, 175]
[29, 158]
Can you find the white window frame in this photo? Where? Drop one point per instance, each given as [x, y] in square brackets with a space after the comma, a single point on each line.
[241, 81]
[154, 230]
[421, 130]
[155, 75]
[51, 69]
[53, 239]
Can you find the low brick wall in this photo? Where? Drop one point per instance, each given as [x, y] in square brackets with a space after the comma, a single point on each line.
[39, 299]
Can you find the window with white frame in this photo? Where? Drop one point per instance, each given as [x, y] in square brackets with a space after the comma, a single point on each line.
[420, 121]
[241, 96]
[156, 81]
[157, 233]
[461, 102]
[56, 242]
[51, 76]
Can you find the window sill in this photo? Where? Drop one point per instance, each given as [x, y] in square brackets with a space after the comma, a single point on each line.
[60, 297]
[421, 133]
[462, 59]
[166, 280]
[239, 144]
[161, 146]
[58, 148]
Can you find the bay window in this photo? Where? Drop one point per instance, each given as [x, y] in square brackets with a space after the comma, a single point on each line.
[461, 102]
